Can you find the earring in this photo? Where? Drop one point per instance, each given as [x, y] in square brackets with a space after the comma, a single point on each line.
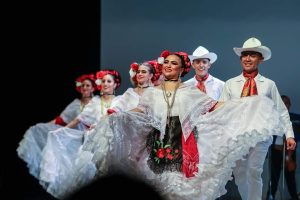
[179, 77]
[149, 82]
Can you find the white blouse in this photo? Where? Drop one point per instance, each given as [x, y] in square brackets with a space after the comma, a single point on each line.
[153, 103]
[127, 101]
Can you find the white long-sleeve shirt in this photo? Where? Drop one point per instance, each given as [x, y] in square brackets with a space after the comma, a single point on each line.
[234, 86]
[213, 86]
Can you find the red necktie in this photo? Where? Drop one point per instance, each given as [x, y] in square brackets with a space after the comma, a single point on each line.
[249, 88]
[201, 81]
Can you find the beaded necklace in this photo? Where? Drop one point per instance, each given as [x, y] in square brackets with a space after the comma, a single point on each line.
[142, 87]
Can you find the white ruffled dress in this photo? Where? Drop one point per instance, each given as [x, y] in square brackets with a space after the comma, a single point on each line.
[117, 144]
[63, 144]
[34, 140]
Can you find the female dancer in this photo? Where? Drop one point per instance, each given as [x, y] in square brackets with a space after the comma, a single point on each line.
[142, 76]
[63, 144]
[34, 140]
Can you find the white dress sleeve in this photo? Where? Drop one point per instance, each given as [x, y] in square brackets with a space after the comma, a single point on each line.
[128, 101]
[71, 111]
[91, 112]
[284, 113]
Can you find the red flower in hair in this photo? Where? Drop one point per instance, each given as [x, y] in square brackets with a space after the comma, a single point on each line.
[101, 74]
[165, 53]
[134, 66]
[132, 72]
[158, 69]
[83, 77]
[185, 58]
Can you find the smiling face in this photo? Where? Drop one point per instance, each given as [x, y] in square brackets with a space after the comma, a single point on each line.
[250, 60]
[201, 66]
[172, 67]
[86, 88]
[143, 75]
[108, 84]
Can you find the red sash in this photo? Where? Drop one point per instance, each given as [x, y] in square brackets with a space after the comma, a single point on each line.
[190, 156]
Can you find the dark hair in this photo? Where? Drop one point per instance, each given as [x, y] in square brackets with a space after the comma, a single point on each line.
[286, 100]
[128, 187]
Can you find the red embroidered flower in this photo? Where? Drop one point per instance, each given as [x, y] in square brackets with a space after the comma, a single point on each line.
[168, 150]
[160, 153]
[170, 156]
[164, 152]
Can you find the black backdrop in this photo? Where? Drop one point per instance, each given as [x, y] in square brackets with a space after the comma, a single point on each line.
[50, 44]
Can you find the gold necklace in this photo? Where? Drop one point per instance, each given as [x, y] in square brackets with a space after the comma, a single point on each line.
[81, 106]
[167, 95]
[82, 103]
[105, 105]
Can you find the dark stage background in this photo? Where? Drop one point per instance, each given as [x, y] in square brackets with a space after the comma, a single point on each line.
[50, 44]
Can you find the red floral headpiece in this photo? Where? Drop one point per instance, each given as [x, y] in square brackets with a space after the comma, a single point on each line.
[102, 73]
[156, 68]
[83, 77]
[186, 63]
[133, 69]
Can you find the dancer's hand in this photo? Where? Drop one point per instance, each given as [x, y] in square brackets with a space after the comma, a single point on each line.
[291, 144]
[289, 161]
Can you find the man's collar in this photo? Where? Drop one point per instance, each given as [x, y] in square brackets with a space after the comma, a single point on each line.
[259, 77]
[209, 78]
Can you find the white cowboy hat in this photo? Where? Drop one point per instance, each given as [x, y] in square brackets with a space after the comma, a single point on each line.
[253, 44]
[202, 52]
